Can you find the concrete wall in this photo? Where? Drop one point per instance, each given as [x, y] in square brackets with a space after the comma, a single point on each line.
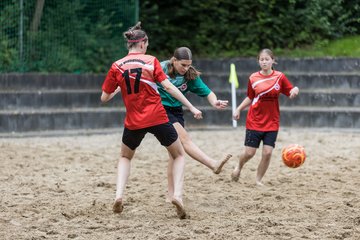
[330, 97]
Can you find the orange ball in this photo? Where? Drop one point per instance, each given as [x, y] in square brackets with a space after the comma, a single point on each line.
[293, 155]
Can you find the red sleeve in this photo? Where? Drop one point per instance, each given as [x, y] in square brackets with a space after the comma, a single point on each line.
[159, 74]
[286, 85]
[110, 84]
[250, 91]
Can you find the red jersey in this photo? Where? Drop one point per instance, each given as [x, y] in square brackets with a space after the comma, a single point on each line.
[136, 75]
[264, 91]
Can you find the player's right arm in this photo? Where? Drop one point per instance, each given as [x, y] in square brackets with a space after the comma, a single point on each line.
[110, 87]
[161, 77]
[175, 92]
[105, 97]
[244, 104]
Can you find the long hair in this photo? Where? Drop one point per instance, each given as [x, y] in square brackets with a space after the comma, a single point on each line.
[182, 53]
[135, 35]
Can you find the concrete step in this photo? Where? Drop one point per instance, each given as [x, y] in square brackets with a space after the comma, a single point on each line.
[61, 119]
[324, 98]
[51, 99]
[19, 100]
[39, 81]
[214, 79]
[316, 97]
[219, 80]
[109, 117]
[332, 117]
[54, 102]
[284, 64]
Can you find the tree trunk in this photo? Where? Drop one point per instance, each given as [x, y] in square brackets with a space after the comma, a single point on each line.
[37, 15]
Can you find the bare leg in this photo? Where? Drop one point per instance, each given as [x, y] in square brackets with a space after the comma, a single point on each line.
[123, 172]
[264, 163]
[170, 179]
[246, 156]
[177, 160]
[196, 153]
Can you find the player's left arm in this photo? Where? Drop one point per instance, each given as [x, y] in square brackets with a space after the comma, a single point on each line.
[294, 92]
[288, 88]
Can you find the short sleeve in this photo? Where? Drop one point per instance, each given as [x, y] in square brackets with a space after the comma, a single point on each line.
[286, 86]
[198, 87]
[110, 84]
[250, 91]
[159, 74]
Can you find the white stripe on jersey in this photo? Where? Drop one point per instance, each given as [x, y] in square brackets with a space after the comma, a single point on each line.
[151, 84]
[119, 68]
[148, 66]
[264, 80]
[262, 93]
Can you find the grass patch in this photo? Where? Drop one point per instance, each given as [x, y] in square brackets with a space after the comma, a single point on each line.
[345, 47]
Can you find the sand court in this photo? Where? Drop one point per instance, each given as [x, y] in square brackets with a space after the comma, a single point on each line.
[63, 187]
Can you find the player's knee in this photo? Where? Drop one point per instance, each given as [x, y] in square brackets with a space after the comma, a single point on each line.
[176, 149]
[126, 155]
[249, 153]
[267, 152]
[185, 139]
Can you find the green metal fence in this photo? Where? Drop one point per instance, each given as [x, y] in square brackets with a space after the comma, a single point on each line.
[63, 35]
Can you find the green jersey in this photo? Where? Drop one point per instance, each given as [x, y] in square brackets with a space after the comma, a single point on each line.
[196, 86]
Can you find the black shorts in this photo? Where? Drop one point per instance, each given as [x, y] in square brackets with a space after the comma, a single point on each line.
[175, 114]
[165, 133]
[253, 138]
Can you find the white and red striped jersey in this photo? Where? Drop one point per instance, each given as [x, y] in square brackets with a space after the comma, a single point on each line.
[136, 75]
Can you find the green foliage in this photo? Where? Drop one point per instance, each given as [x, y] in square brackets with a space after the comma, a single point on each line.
[230, 28]
[74, 36]
[83, 43]
[86, 35]
[9, 57]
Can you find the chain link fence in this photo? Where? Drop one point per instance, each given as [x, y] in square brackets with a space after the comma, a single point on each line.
[80, 36]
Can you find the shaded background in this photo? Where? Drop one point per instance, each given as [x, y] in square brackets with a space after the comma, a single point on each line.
[86, 36]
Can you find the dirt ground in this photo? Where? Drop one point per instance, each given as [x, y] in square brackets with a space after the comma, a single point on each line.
[63, 187]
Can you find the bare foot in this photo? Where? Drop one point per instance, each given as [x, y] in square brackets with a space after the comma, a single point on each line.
[180, 210]
[220, 165]
[235, 175]
[260, 184]
[118, 206]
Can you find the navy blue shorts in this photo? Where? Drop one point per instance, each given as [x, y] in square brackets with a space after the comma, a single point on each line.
[175, 114]
[253, 138]
[165, 133]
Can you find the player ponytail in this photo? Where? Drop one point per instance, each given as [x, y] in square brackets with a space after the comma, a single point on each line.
[135, 35]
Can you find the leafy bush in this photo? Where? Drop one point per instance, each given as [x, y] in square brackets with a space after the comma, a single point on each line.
[225, 28]
[86, 35]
